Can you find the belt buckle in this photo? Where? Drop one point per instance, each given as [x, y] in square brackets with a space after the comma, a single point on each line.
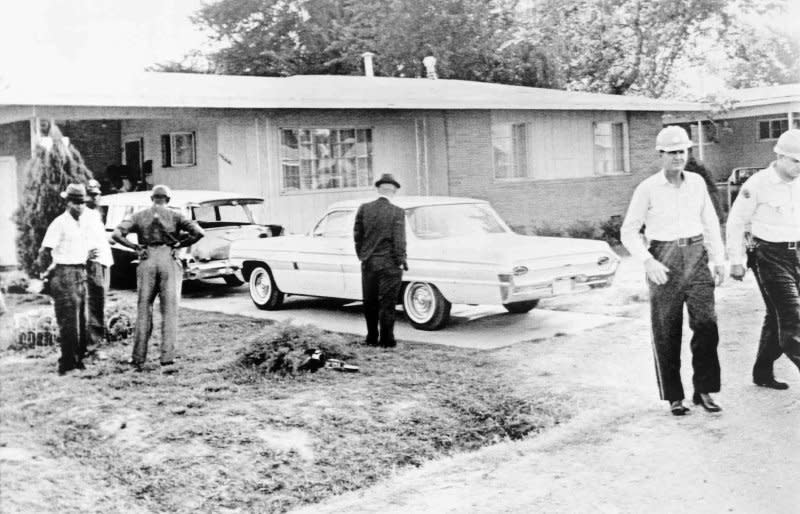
[683, 241]
[792, 245]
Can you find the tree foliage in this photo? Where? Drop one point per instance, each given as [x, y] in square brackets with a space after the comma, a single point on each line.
[471, 39]
[56, 164]
[762, 57]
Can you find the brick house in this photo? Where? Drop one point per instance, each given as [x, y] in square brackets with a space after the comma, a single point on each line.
[539, 155]
[744, 134]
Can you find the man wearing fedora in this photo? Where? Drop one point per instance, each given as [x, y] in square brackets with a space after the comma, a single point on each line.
[69, 244]
[161, 231]
[380, 238]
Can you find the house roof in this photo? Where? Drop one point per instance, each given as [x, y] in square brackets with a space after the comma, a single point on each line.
[183, 90]
[755, 96]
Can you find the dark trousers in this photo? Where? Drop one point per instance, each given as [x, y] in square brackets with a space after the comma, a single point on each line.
[690, 283]
[68, 288]
[380, 286]
[96, 286]
[777, 271]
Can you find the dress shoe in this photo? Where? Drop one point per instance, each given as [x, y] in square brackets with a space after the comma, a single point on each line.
[678, 408]
[389, 344]
[705, 401]
[772, 384]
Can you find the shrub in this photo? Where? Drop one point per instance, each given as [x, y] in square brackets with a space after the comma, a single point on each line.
[583, 229]
[285, 348]
[16, 282]
[610, 230]
[47, 174]
[546, 229]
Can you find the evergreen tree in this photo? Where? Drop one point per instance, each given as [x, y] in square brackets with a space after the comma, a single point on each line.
[56, 164]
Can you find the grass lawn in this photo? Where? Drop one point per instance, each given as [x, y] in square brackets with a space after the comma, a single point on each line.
[218, 437]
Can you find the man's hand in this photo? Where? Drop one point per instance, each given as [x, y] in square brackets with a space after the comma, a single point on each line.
[93, 253]
[141, 251]
[656, 272]
[719, 275]
[737, 272]
[404, 266]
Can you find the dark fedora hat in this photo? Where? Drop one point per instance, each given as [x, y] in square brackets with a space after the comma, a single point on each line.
[387, 178]
[75, 193]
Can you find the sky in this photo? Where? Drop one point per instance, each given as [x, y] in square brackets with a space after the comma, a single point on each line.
[125, 36]
[96, 36]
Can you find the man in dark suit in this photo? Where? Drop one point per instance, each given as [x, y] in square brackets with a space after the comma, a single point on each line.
[380, 237]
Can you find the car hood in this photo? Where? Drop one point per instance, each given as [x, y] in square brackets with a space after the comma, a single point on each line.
[505, 248]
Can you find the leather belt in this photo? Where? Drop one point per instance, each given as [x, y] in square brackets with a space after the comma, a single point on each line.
[154, 244]
[82, 266]
[683, 241]
[782, 245]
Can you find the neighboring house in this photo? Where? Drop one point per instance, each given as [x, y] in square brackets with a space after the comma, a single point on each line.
[744, 134]
[540, 156]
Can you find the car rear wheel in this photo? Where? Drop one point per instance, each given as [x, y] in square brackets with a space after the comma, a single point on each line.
[521, 307]
[425, 306]
[232, 280]
[263, 291]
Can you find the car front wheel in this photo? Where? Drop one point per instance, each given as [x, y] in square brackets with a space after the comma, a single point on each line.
[425, 306]
[521, 307]
[263, 291]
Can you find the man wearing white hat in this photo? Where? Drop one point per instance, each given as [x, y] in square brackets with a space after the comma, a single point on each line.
[97, 269]
[769, 204]
[68, 243]
[683, 233]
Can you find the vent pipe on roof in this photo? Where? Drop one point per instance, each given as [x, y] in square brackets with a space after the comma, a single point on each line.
[430, 66]
[368, 71]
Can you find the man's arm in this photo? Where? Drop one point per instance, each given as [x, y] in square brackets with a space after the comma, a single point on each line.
[632, 239]
[399, 238]
[193, 232]
[358, 229]
[739, 219]
[712, 233]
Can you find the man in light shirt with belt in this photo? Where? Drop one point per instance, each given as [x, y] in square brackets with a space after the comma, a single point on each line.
[97, 270]
[683, 233]
[769, 204]
[69, 244]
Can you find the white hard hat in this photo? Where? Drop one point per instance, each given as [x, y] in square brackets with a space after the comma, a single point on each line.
[161, 189]
[672, 138]
[789, 144]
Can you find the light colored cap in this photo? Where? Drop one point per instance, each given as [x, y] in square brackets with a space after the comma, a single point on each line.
[161, 190]
[672, 138]
[789, 144]
[93, 186]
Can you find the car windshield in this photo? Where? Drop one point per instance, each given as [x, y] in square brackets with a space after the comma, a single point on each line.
[222, 214]
[442, 221]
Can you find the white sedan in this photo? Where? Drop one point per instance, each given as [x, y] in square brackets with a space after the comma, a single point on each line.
[459, 251]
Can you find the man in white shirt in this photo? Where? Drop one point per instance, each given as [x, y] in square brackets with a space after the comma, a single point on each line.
[769, 204]
[68, 244]
[97, 269]
[683, 232]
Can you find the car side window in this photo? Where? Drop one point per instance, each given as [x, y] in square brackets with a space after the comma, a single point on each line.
[335, 224]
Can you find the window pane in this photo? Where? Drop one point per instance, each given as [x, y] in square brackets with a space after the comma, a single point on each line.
[291, 176]
[183, 149]
[776, 129]
[520, 143]
[618, 145]
[763, 130]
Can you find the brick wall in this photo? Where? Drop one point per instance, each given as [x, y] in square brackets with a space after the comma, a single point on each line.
[545, 202]
[98, 141]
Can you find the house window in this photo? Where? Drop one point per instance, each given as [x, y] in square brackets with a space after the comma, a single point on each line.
[314, 159]
[610, 148]
[772, 129]
[178, 149]
[510, 149]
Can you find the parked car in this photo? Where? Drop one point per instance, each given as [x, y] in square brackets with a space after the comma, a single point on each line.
[459, 251]
[736, 179]
[225, 217]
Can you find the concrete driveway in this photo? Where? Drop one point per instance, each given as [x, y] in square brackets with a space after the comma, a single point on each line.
[482, 327]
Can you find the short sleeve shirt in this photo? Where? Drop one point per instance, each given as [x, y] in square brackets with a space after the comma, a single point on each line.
[69, 239]
[158, 225]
